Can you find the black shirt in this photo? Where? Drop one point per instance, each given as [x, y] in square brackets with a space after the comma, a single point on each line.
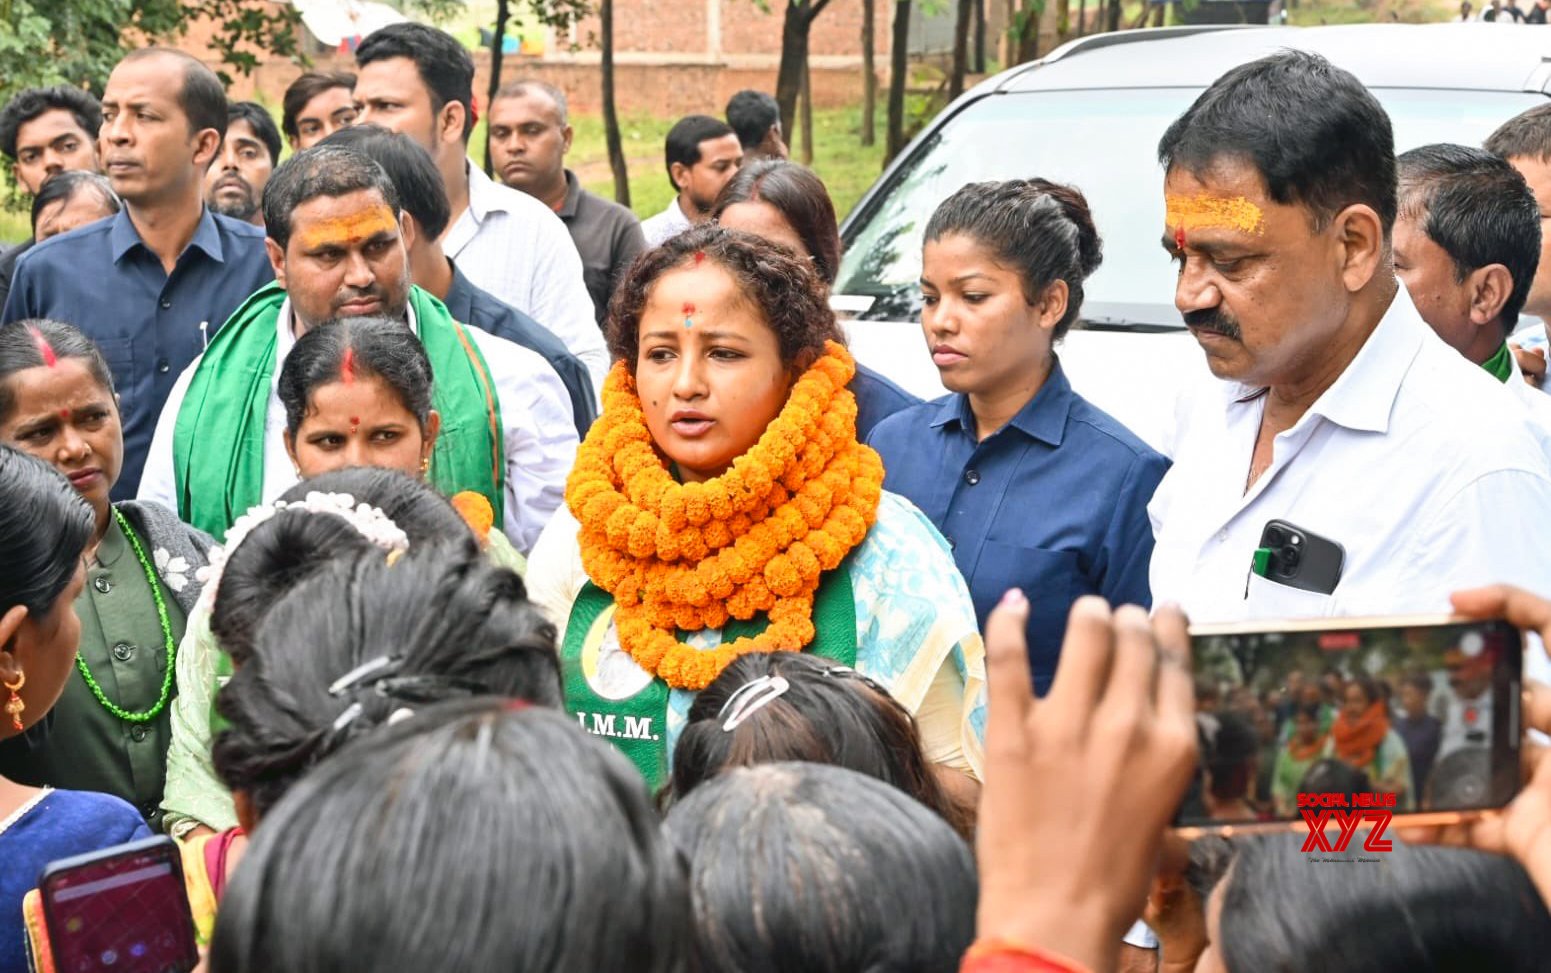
[8, 267]
[606, 234]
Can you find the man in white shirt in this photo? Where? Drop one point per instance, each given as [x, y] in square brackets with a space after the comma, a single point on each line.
[1525, 141]
[1466, 242]
[339, 248]
[420, 81]
[703, 155]
[1339, 410]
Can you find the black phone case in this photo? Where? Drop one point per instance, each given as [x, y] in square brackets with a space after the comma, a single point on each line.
[1318, 563]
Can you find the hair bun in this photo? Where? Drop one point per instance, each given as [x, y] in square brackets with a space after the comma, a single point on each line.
[1090, 246]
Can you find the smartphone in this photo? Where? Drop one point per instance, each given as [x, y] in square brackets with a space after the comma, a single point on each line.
[123, 909]
[1416, 716]
[1295, 557]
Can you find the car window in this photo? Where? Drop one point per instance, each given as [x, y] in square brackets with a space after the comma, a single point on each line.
[1105, 142]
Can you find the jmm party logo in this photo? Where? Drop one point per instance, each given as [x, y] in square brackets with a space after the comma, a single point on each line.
[1348, 813]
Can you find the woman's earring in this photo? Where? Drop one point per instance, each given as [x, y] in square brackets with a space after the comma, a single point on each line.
[15, 706]
[425, 466]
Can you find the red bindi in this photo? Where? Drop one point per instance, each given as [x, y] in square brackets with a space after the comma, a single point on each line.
[688, 310]
[699, 257]
[1179, 238]
[64, 414]
[354, 422]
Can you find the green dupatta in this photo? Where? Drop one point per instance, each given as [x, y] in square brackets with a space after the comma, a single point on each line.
[218, 441]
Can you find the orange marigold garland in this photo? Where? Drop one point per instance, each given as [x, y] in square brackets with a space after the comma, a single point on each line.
[758, 538]
[475, 509]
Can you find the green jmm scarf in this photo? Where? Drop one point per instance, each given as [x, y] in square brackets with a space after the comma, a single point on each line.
[638, 725]
[1500, 365]
[218, 442]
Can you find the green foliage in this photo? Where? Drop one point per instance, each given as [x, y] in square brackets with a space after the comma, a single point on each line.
[78, 41]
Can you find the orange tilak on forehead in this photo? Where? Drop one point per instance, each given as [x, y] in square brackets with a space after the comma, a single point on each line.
[346, 231]
[1203, 212]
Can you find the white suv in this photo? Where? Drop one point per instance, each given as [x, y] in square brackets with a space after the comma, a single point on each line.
[1091, 114]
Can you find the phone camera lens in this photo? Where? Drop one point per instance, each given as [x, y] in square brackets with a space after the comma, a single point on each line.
[1290, 557]
[1274, 537]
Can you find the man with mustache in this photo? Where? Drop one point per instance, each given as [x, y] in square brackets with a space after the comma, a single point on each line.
[339, 247]
[154, 283]
[249, 153]
[1338, 411]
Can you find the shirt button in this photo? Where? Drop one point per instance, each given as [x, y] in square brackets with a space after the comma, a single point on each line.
[166, 303]
[123, 652]
[951, 542]
[148, 809]
[137, 733]
[103, 585]
[971, 477]
[163, 366]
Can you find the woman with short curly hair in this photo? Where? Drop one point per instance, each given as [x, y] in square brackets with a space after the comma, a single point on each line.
[722, 505]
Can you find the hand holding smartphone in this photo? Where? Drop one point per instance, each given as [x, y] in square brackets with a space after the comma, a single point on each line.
[120, 910]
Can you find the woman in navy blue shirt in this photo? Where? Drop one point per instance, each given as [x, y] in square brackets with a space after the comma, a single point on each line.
[1033, 486]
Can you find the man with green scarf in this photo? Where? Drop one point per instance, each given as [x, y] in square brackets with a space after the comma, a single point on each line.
[340, 250]
[1467, 242]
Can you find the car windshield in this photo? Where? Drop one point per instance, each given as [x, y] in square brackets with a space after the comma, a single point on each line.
[1104, 142]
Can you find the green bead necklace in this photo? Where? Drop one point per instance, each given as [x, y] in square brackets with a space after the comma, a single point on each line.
[145, 716]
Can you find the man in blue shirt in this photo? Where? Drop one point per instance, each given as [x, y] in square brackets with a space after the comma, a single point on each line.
[152, 284]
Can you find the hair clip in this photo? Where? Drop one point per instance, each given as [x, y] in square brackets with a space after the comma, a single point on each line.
[427, 688]
[750, 698]
[400, 715]
[363, 672]
[346, 718]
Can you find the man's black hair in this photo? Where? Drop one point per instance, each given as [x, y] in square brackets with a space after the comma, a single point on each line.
[323, 170]
[66, 185]
[1316, 136]
[751, 114]
[305, 88]
[258, 119]
[445, 66]
[410, 166]
[29, 104]
[1527, 134]
[685, 136]
[1478, 208]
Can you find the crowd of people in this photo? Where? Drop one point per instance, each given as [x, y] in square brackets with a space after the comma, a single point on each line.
[470, 576]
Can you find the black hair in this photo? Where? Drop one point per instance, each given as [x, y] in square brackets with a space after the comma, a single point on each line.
[798, 194]
[23, 344]
[1329, 775]
[1425, 910]
[829, 714]
[66, 185]
[1228, 746]
[1311, 710]
[472, 836]
[201, 98]
[305, 88]
[376, 346]
[29, 103]
[323, 170]
[1419, 681]
[751, 115]
[446, 67]
[1316, 136]
[262, 123]
[419, 184]
[293, 544]
[1042, 229]
[1525, 135]
[774, 280]
[44, 529]
[1479, 209]
[1368, 685]
[522, 86]
[684, 138]
[1207, 860]
[799, 866]
[444, 622]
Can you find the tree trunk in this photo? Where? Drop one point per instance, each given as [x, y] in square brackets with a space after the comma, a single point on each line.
[899, 55]
[960, 48]
[610, 115]
[503, 11]
[1112, 16]
[1030, 13]
[978, 65]
[1063, 21]
[794, 54]
[807, 114]
[869, 75]
[1082, 17]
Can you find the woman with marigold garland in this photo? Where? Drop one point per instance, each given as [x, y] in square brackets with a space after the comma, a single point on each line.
[722, 505]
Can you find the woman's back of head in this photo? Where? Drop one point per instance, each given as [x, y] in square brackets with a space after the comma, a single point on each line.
[44, 528]
[1422, 910]
[363, 640]
[288, 547]
[475, 837]
[799, 867]
[823, 713]
[798, 194]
